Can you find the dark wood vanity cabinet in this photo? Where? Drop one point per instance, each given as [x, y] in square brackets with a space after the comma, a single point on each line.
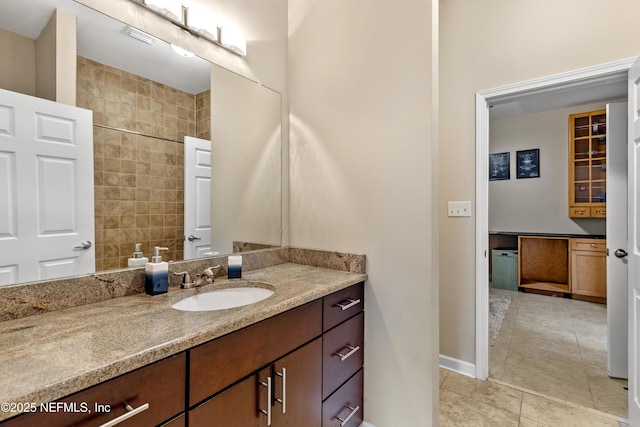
[343, 358]
[302, 367]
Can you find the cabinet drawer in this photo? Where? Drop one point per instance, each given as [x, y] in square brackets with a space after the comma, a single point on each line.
[595, 245]
[599, 212]
[341, 305]
[221, 362]
[579, 212]
[342, 353]
[161, 385]
[344, 407]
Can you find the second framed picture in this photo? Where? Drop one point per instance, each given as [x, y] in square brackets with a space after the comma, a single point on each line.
[528, 163]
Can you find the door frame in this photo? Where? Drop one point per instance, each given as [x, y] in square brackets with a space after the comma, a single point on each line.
[484, 98]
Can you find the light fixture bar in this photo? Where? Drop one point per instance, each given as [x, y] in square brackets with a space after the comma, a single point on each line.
[236, 43]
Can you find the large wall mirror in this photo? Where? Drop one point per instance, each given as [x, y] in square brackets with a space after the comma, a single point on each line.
[156, 117]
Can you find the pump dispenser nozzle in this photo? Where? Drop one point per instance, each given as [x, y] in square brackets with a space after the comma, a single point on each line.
[156, 253]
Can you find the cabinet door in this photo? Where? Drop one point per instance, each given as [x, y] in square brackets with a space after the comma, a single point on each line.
[589, 273]
[238, 406]
[295, 400]
[587, 165]
[297, 387]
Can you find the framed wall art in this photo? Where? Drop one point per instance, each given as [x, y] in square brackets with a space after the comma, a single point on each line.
[528, 163]
[499, 167]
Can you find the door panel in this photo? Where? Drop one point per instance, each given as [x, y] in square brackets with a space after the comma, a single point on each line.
[46, 189]
[56, 192]
[617, 276]
[197, 197]
[634, 243]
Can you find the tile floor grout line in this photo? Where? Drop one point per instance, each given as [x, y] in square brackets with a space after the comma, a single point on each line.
[557, 400]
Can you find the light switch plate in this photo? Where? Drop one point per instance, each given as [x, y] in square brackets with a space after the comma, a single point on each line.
[462, 208]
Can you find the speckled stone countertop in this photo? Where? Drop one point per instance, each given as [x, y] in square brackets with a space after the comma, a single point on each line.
[51, 355]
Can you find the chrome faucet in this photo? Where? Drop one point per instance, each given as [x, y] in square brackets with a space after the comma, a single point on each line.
[204, 278]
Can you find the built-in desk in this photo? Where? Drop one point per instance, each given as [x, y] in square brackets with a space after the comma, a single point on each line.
[558, 264]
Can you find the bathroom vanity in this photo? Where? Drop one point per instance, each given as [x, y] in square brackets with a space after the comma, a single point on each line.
[295, 358]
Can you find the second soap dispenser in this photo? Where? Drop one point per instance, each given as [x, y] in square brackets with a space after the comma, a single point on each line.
[138, 259]
[156, 274]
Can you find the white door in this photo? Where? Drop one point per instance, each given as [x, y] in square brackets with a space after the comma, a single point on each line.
[197, 197]
[634, 244]
[617, 349]
[46, 189]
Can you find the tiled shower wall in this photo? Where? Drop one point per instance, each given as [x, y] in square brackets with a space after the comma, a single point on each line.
[203, 115]
[139, 180]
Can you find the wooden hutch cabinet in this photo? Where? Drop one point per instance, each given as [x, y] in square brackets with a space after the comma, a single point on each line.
[587, 165]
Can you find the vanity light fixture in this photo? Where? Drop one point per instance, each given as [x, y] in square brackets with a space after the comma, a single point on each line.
[203, 23]
[172, 9]
[233, 39]
[198, 23]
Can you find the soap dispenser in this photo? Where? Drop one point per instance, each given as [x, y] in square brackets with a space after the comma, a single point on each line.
[138, 259]
[156, 274]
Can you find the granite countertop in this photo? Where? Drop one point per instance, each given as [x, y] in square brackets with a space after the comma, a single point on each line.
[48, 356]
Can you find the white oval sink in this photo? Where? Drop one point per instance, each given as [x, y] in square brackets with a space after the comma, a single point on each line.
[222, 298]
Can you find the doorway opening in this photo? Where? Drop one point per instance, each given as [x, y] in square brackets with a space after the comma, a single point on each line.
[594, 84]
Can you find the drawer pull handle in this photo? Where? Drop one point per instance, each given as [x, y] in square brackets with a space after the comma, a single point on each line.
[283, 401]
[344, 357]
[593, 245]
[351, 414]
[348, 303]
[267, 411]
[131, 412]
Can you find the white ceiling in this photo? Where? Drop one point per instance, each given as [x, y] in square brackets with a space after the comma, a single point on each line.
[103, 39]
[606, 89]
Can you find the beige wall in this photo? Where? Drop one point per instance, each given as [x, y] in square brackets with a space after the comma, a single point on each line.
[363, 180]
[246, 152]
[488, 44]
[56, 59]
[537, 204]
[19, 74]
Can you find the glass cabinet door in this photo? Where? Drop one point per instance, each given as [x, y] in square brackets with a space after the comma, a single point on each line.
[587, 162]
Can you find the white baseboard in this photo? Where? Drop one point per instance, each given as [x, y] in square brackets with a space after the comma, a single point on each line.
[366, 424]
[459, 366]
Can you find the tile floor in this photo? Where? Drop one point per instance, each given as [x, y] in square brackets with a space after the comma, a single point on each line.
[465, 401]
[547, 368]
